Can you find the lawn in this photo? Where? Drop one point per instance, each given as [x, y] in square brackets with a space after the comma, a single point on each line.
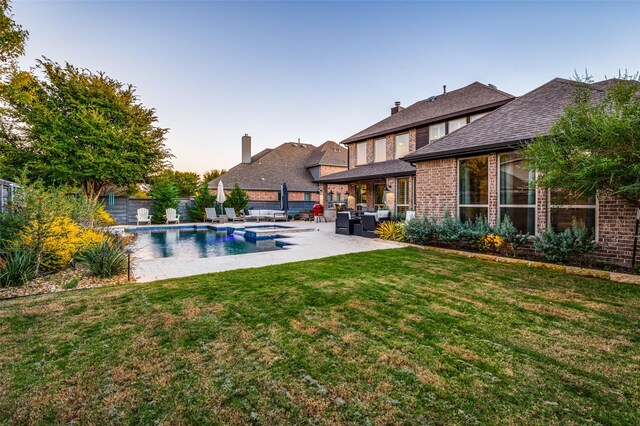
[393, 336]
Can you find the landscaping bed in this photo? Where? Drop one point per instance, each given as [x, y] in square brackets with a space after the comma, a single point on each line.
[390, 336]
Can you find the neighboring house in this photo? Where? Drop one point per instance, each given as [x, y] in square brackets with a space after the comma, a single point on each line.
[7, 189]
[476, 171]
[376, 177]
[296, 164]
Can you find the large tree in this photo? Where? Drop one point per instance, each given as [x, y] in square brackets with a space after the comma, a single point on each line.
[186, 182]
[594, 146]
[12, 37]
[78, 127]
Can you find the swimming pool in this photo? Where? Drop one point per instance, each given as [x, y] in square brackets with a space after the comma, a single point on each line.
[190, 242]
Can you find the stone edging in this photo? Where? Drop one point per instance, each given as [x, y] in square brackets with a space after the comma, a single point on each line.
[573, 270]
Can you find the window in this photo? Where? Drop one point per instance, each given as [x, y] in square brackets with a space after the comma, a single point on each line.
[402, 145]
[565, 208]
[436, 131]
[517, 198]
[361, 197]
[307, 196]
[402, 195]
[361, 153]
[378, 195]
[380, 150]
[456, 124]
[476, 116]
[473, 184]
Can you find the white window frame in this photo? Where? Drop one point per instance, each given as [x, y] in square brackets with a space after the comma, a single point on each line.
[375, 150]
[523, 206]
[474, 117]
[396, 145]
[362, 145]
[408, 205]
[444, 124]
[456, 120]
[574, 206]
[458, 185]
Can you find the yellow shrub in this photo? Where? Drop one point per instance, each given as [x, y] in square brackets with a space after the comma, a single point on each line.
[492, 243]
[103, 218]
[390, 230]
[64, 239]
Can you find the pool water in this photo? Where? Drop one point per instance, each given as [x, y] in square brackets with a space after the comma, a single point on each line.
[191, 244]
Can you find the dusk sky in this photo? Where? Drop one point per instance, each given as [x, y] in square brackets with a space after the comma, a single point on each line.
[318, 70]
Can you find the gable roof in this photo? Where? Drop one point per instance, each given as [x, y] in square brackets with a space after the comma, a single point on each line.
[328, 154]
[273, 166]
[381, 169]
[472, 98]
[510, 125]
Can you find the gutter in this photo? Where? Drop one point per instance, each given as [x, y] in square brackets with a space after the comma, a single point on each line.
[467, 150]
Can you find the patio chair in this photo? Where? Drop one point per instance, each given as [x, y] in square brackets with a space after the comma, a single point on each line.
[210, 214]
[142, 215]
[409, 215]
[172, 216]
[231, 214]
[367, 226]
[344, 223]
[384, 215]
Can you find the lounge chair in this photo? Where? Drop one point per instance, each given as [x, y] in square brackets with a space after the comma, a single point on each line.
[409, 215]
[210, 214]
[172, 216]
[383, 215]
[344, 223]
[142, 215]
[367, 226]
[231, 214]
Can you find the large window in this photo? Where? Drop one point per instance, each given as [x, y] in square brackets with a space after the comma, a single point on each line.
[402, 195]
[456, 124]
[565, 208]
[473, 184]
[378, 195]
[517, 198]
[361, 153]
[437, 131]
[380, 150]
[361, 197]
[476, 116]
[402, 145]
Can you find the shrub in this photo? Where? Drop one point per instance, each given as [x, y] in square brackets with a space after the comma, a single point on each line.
[18, 267]
[420, 231]
[105, 259]
[12, 224]
[238, 199]
[449, 230]
[561, 246]
[510, 234]
[202, 200]
[492, 243]
[477, 232]
[391, 230]
[165, 196]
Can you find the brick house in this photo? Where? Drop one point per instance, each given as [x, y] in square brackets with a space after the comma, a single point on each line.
[297, 164]
[476, 170]
[376, 175]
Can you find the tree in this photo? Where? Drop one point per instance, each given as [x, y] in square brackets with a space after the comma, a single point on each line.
[212, 174]
[237, 198]
[80, 128]
[186, 182]
[202, 200]
[12, 38]
[165, 196]
[594, 147]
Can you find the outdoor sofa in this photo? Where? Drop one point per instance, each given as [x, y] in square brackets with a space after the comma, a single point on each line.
[367, 226]
[261, 214]
[344, 223]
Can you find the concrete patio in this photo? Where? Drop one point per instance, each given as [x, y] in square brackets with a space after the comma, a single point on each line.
[316, 244]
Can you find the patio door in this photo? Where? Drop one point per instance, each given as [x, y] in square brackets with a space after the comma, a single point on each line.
[402, 196]
[378, 195]
[361, 197]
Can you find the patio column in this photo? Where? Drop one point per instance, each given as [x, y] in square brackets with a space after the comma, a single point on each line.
[324, 199]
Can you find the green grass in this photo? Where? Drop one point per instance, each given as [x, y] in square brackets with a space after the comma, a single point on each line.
[394, 336]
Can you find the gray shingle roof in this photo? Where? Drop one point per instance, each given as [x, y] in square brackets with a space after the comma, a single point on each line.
[371, 171]
[474, 97]
[328, 154]
[508, 126]
[272, 167]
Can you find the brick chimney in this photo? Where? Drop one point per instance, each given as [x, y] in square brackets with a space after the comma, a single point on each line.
[397, 108]
[246, 149]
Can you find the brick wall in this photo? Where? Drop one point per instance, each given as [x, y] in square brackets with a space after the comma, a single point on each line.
[436, 187]
[616, 222]
[329, 170]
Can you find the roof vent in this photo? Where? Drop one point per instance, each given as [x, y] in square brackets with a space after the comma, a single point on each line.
[431, 98]
[444, 89]
[493, 86]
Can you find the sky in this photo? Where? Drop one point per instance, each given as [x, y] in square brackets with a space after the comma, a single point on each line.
[316, 71]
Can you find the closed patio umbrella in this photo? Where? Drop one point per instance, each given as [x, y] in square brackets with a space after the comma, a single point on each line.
[220, 197]
[284, 198]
